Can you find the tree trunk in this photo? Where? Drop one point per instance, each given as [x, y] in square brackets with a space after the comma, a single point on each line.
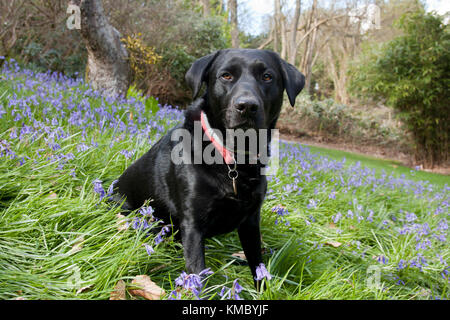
[339, 76]
[276, 40]
[108, 66]
[206, 7]
[232, 6]
[281, 20]
[309, 60]
[306, 64]
[294, 29]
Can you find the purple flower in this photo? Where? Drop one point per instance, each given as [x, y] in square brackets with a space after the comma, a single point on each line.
[280, 210]
[237, 289]
[192, 282]
[146, 211]
[175, 295]
[127, 154]
[402, 264]
[423, 245]
[337, 217]
[370, 216]
[444, 273]
[225, 294]
[111, 187]
[350, 214]
[312, 204]
[98, 188]
[149, 249]
[82, 147]
[442, 225]
[261, 272]
[382, 259]
[158, 239]
[410, 217]
[140, 224]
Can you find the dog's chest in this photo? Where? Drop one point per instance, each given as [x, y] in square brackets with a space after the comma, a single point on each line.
[227, 210]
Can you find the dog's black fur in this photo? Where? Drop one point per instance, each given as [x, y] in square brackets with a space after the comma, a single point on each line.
[244, 89]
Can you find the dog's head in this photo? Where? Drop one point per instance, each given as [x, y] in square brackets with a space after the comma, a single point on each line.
[244, 87]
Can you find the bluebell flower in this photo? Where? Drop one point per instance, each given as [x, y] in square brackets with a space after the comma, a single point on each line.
[225, 293]
[146, 211]
[262, 273]
[175, 295]
[111, 188]
[402, 264]
[312, 204]
[280, 210]
[382, 259]
[149, 249]
[192, 282]
[127, 154]
[236, 289]
[98, 188]
[410, 217]
[158, 239]
[140, 223]
[82, 147]
[337, 217]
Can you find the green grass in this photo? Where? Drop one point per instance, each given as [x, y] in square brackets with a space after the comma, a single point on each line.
[383, 164]
[59, 240]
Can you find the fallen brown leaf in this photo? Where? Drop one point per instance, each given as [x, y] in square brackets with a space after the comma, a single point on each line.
[83, 289]
[334, 244]
[332, 225]
[122, 224]
[77, 246]
[52, 196]
[148, 289]
[119, 292]
[240, 255]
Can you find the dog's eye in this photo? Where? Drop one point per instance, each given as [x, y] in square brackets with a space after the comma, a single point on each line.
[267, 77]
[227, 76]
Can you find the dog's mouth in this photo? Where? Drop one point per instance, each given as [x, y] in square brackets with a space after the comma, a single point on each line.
[244, 125]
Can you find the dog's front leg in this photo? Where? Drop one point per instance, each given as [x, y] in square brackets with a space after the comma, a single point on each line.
[250, 237]
[193, 247]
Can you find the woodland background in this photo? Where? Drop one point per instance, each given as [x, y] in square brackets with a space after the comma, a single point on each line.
[355, 94]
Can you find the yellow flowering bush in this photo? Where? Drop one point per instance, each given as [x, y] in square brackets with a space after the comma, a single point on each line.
[141, 56]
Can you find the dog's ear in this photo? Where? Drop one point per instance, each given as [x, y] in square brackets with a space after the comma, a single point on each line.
[293, 80]
[197, 73]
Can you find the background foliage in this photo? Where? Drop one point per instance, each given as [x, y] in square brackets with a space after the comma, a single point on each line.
[412, 74]
[331, 49]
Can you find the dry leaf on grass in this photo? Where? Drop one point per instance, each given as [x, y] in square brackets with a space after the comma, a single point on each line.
[122, 224]
[331, 225]
[77, 246]
[83, 289]
[334, 244]
[148, 289]
[240, 255]
[52, 195]
[119, 292]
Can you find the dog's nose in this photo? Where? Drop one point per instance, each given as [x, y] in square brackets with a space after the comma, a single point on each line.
[247, 106]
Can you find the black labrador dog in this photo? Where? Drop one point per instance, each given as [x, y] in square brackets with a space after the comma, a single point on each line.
[244, 89]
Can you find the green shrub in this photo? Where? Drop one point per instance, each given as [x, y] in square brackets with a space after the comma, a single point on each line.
[412, 74]
[337, 122]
